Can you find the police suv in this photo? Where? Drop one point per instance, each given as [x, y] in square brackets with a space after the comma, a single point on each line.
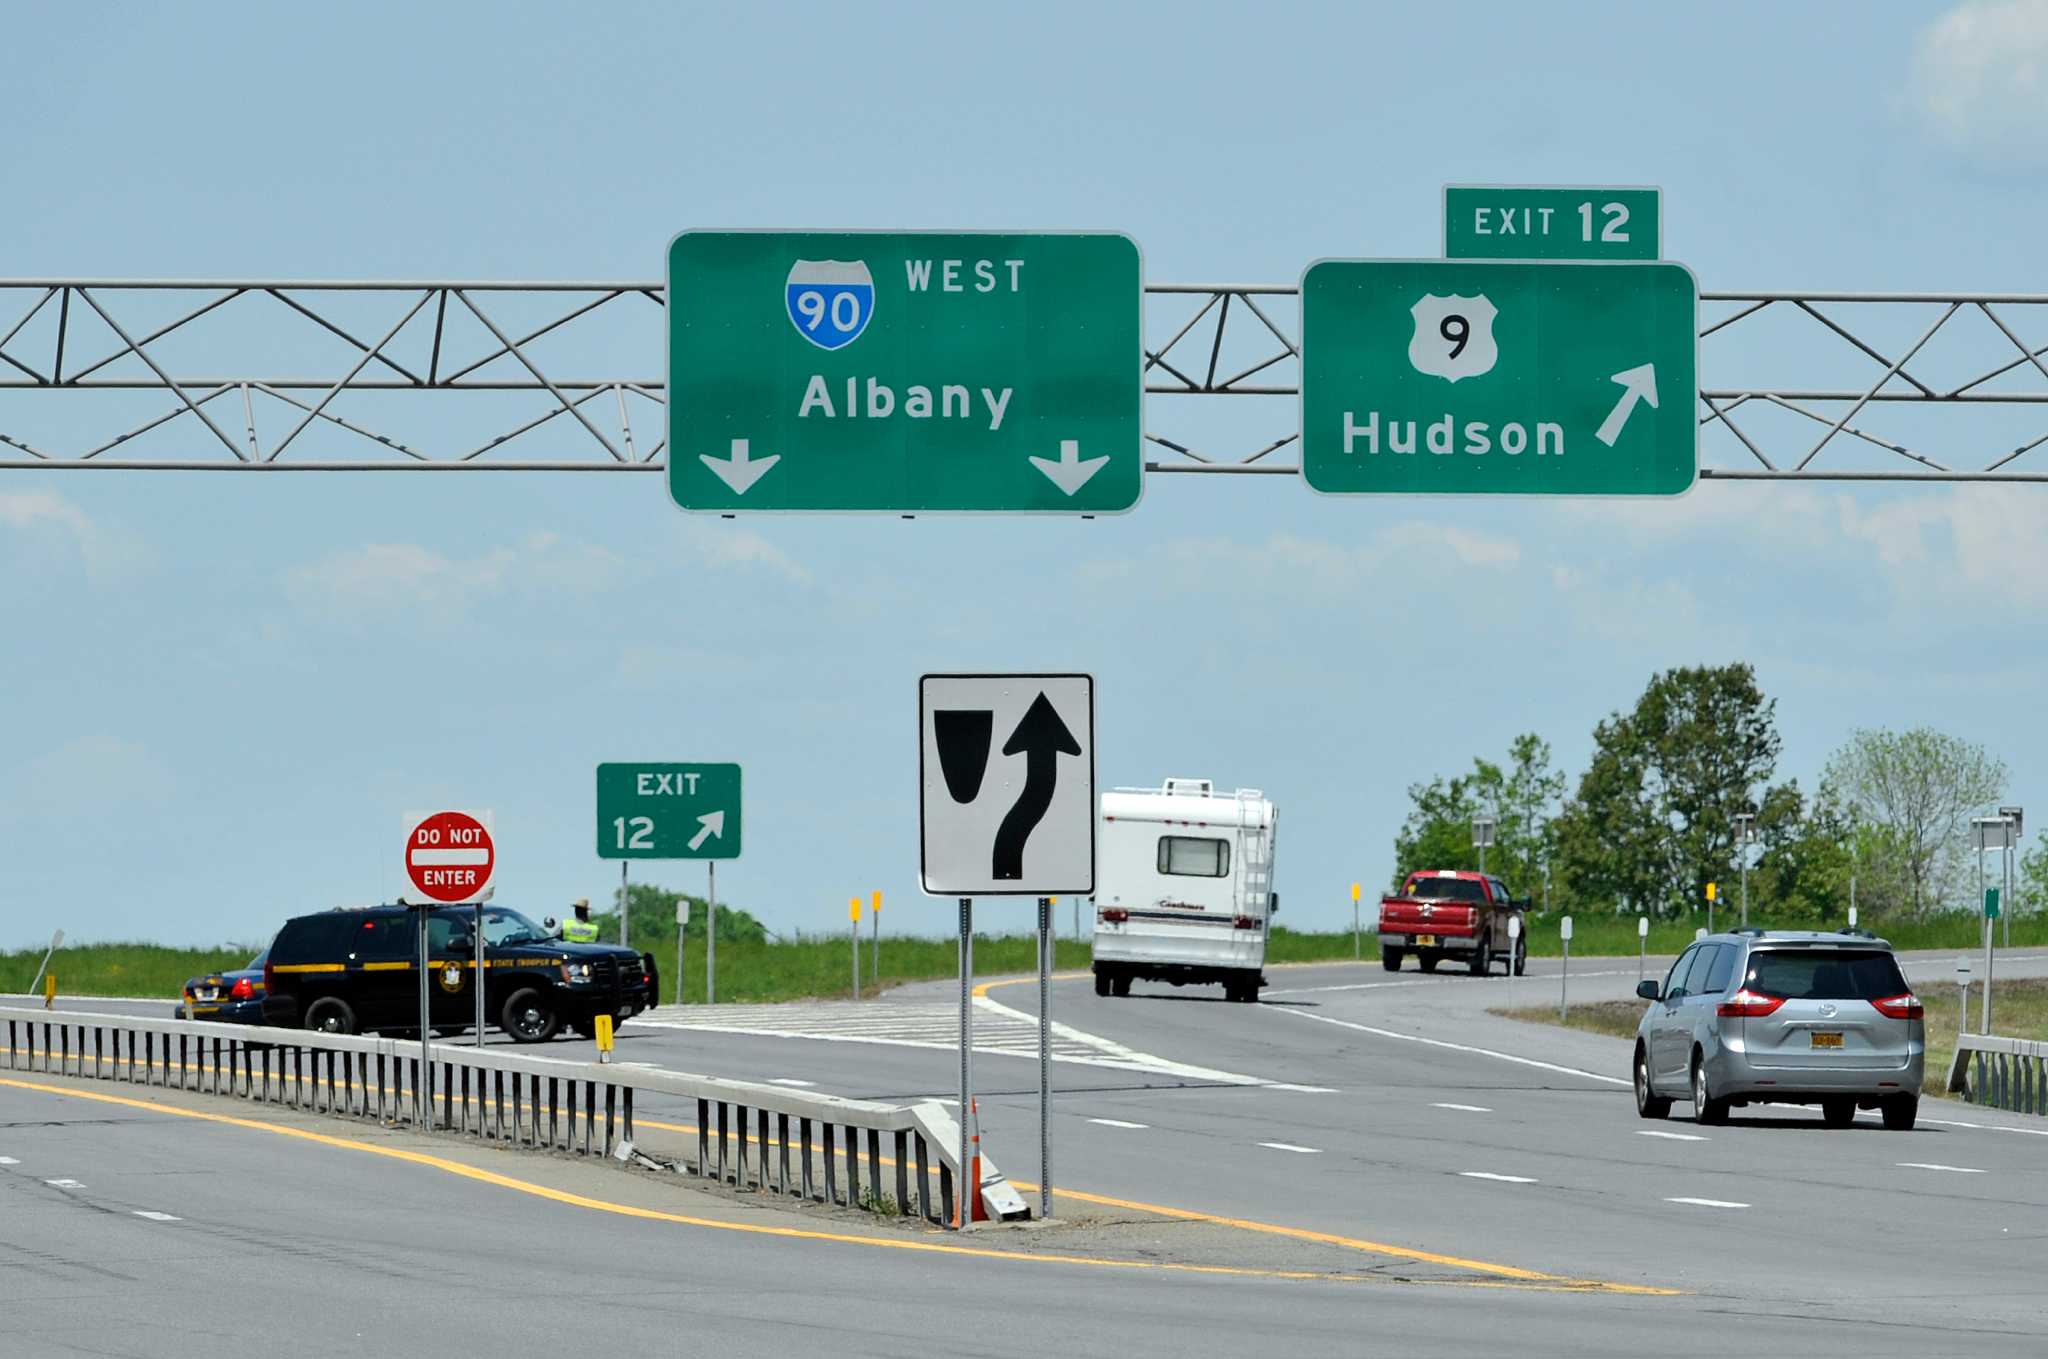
[355, 970]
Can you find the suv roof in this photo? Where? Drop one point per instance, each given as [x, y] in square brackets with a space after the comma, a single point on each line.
[1808, 938]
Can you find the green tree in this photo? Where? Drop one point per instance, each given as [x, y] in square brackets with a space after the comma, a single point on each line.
[1919, 789]
[1517, 794]
[1653, 821]
[1801, 874]
[654, 918]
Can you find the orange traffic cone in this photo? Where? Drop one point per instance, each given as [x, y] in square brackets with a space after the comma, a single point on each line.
[974, 1175]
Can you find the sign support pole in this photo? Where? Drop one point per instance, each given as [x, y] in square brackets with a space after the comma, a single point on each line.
[625, 904]
[711, 932]
[479, 942]
[423, 1104]
[964, 1200]
[682, 926]
[1044, 1057]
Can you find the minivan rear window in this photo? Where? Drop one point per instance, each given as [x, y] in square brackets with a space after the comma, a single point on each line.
[1825, 974]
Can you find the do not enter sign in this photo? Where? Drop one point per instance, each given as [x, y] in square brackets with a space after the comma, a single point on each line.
[449, 856]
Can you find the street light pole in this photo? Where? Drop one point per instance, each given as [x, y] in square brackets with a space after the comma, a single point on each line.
[1745, 833]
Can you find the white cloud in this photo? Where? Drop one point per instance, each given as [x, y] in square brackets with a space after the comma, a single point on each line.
[382, 578]
[86, 777]
[724, 546]
[1980, 81]
[104, 551]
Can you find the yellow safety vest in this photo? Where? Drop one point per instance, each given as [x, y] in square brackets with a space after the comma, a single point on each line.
[579, 931]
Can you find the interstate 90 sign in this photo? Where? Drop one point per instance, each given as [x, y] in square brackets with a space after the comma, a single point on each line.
[1490, 377]
[904, 372]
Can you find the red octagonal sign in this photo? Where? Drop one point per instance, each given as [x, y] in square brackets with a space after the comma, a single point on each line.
[449, 857]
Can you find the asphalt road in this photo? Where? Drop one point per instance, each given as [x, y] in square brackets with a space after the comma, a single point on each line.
[1347, 1102]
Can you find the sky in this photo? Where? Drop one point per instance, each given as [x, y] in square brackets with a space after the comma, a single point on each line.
[227, 691]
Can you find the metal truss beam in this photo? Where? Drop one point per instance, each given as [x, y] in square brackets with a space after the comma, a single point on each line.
[444, 376]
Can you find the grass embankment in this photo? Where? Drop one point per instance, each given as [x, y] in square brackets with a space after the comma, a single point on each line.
[2019, 1009]
[805, 967]
[746, 971]
[121, 969]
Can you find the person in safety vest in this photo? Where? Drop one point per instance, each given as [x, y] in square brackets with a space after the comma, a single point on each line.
[580, 928]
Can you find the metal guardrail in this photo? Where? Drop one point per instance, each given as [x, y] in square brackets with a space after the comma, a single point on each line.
[2004, 1073]
[804, 1145]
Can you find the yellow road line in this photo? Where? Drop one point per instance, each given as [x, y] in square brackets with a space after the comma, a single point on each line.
[747, 1228]
[1506, 1272]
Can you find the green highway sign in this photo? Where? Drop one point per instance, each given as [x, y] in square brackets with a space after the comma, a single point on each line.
[668, 811]
[904, 371]
[1991, 903]
[1512, 222]
[1486, 377]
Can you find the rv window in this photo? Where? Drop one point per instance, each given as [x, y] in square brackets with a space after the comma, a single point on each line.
[1187, 857]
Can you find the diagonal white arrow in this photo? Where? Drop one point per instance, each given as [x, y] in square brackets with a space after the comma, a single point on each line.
[1637, 384]
[736, 471]
[711, 823]
[1072, 471]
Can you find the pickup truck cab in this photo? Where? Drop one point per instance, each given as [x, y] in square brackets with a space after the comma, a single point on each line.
[1440, 913]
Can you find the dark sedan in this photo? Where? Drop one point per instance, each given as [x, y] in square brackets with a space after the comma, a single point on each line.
[227, 997]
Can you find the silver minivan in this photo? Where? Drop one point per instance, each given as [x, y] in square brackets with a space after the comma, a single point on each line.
[1782, 1017]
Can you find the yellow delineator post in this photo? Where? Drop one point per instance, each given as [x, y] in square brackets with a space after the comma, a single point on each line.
[49, 990]
[853, 914]
[1356, 948]
[603, 1025]
[1710, 908]
[875, 934]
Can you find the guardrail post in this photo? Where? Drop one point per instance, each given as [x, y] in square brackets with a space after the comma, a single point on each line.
[724, 1141]
[611, 1094]
[703, 1138]
[903, 1173]
[945, 1193]
[831, 1169]
[924, 1191]
[806, 1182]
[782, 1144]
[852, 1166]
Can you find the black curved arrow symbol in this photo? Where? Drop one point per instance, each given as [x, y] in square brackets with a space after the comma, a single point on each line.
[1041, 737]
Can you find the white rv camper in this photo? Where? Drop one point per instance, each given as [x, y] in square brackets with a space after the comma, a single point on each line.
[1184, 888]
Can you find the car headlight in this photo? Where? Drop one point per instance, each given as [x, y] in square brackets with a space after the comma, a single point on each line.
[575, 972]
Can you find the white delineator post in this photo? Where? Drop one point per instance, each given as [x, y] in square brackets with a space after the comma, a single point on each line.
[1643, 944]
[1564, 932]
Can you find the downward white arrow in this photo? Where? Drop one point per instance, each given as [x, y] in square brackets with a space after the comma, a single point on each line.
[1072, 471]
[711, 823]
[1637, 384]
[736, 471]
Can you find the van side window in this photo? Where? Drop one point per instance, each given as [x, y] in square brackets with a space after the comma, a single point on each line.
[1722, 971]
[1188, 856]
[1674, 981]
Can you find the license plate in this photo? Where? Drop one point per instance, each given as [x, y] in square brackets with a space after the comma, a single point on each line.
[1425, 941]
[1827, 1040]
[207, 993]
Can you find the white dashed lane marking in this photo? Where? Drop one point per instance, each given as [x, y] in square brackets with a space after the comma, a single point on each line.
[8, 1161]
[1709, 1203]
[157, 1217]
[1675, 1137]
[1289, 1146]
[1930, 1165]
[65, 1184]
[1464, 1108]
[1117, 1123]
[1489, 1175]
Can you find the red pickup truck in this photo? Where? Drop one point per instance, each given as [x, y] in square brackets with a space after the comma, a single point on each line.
[1442, 913]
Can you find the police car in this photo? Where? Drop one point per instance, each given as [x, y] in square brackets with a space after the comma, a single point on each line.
[355, 970]
[234, 997]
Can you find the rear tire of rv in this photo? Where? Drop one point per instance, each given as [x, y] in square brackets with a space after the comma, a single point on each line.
[1120, 985]
[1101, 982]
[1390, 959]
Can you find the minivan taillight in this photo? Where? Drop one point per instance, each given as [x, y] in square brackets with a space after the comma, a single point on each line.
[1748, 1004]
[1905, 1006]
[1115, 915]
